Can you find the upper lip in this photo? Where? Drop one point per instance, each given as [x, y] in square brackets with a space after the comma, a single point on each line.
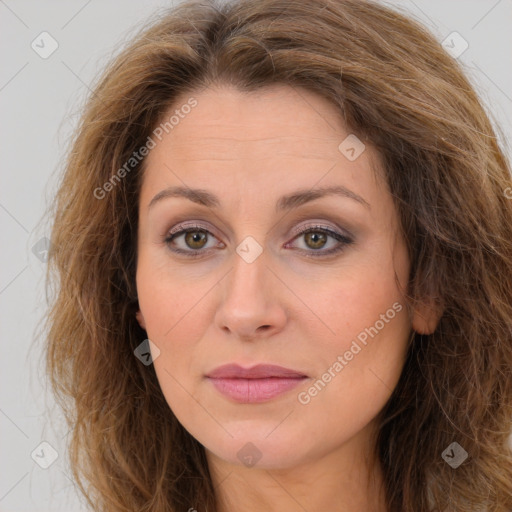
[259, 371]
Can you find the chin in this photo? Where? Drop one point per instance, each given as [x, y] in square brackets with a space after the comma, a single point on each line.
[259, 447]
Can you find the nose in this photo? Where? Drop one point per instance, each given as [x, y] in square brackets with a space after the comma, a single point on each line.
[249, 305]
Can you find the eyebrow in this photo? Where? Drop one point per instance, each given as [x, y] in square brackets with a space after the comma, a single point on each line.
[286, 202]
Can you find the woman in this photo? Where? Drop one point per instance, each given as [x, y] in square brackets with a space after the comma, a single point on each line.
[284, 250]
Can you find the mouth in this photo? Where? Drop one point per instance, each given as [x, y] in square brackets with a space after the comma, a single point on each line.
[257, 384]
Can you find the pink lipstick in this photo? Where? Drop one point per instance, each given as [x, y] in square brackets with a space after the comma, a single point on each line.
[257, 384]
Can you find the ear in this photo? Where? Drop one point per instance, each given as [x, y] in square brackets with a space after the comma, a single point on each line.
[140, 319]
[426, 316]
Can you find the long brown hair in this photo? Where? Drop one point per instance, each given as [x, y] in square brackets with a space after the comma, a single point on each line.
[395, 87]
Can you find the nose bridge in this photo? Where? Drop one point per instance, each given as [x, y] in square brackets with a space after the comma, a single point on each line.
[249, 302]
[247, 280]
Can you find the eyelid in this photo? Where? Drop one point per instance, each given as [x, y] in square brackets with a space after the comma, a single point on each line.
[320, 224]
[186, 225]
[295, 231]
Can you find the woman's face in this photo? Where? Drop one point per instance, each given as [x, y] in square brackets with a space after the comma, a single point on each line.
[248, 287]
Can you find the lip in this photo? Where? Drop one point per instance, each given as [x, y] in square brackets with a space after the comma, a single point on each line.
[257, 384]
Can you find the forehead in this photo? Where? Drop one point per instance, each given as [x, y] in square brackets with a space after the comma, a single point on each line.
[273, 137]
[276, 120]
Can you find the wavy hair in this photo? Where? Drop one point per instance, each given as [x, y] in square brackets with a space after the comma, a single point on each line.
[394, 86]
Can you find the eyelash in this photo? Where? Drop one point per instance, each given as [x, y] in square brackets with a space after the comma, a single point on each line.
[343, 239]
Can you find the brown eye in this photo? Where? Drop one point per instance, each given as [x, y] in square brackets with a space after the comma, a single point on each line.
[195, 239]
[191, 241]
[315, 239]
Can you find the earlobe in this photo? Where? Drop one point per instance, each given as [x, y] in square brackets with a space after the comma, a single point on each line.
[140, 319]
[426, 318]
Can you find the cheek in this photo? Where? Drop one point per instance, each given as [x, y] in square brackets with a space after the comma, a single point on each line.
[172, 312]
[355, 299]
[358, 367]
[166, 298]
[174, 307]
[367, 327]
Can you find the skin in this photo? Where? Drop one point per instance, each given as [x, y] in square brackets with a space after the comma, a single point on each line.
[284, 308]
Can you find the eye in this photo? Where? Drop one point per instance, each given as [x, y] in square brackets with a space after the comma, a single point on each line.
[316, 238]
[195, 238]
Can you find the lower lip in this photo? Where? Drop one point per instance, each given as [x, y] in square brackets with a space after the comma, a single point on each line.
[255, 390]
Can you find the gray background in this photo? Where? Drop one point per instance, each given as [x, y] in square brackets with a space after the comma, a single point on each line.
[40, 102]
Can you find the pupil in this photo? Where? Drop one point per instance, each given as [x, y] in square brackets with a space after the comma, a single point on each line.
[317, 239]
[195, 237]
